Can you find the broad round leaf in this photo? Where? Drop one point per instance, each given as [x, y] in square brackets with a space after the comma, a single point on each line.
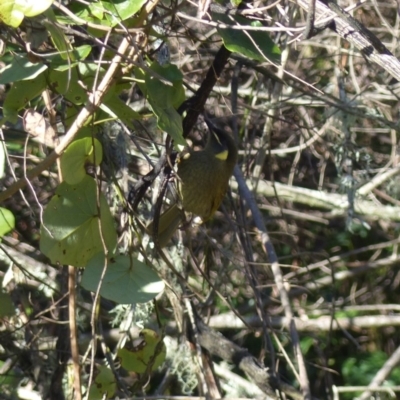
[104, 384]
[19, 69]
[126, 281]
[145, 354]
[12, 12]
[70, 232]
[67, 83]
[79, 153]
[7, 221]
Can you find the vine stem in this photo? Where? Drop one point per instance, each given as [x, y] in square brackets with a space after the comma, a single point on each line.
[73, 331]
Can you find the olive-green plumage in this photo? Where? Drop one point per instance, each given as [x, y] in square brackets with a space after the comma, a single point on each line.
[204, 175]
[203, 178]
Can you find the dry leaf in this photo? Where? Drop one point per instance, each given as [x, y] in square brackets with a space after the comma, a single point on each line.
[38, 126]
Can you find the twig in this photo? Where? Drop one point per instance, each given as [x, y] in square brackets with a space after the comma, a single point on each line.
[334, 202]
[309, 31]
[73, 331]
[91, 105]
[270, 251]
[194, 106]
[356, 33]
[218, 345]
[324, 323]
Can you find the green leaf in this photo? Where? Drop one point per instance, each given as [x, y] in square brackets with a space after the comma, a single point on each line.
[71, 83]
[77, 155]
[20, 94]
[104, 384]
[12, 12]
[127, 280]
[19, 69]
[164, 98]
[256, 45]
[62, 44]
[97, 10]
[144, 354]
[92, 12]
[168, 120]
[163, 94]
[107, 13]
[67, 84]
[7, 221]
[70, 232]
[60, 64]
[116, 108]
[120, 10]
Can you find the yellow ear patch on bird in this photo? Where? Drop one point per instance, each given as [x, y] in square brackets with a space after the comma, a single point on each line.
[223, 155]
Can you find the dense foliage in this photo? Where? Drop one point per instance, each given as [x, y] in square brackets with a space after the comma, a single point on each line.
[291, 289]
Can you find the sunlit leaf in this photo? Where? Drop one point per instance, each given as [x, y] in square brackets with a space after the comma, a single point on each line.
[19, 69]
[120, 10]
[61, 42]
[126, 281]
[144, 354]
[7, 221]
[106, 13]
[79, 153]
[12, 12]
[167, 93]
[104, 384]
[97, 9]
[67, 83]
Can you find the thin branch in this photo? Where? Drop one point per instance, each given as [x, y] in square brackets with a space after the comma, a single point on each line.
[353, 31]
[219, 346]
[382, 374]
[91, 105]
[336, 203]
[276, 270]
[321, 324]
[73, 331]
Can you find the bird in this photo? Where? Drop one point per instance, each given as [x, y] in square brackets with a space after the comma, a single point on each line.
[202, 181]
